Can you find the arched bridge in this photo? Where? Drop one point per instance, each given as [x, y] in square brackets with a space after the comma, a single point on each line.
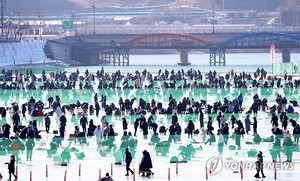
[103, 49]
[262, 40]
[169, 41]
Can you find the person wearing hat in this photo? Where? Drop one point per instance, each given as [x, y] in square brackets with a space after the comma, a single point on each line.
[47, 123]
[259, 165]
[146, 164]
[107, 177]
[128, 159]
[248, 123]
[11, 167]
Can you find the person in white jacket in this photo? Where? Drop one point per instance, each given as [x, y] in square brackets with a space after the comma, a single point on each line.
[204, 134]
[58, 111]
[220, 143]
[98, 133]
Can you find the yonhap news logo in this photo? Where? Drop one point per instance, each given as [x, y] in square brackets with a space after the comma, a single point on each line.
[215, 165]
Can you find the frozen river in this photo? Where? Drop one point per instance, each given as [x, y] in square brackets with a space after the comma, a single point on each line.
[193, 170]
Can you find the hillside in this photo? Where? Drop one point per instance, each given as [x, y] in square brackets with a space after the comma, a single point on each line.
[73, 5]
[22, 52]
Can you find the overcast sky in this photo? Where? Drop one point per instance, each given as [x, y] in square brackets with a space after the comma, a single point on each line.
[25, 5]
[60, 5]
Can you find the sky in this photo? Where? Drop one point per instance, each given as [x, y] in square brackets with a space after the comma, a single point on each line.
[30, 5]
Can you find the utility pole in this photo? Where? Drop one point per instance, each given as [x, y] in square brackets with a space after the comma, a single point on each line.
[94, 13]
[213, 20]
[19, 24]
[72, 20]
[2, 19]
[18, 31]
[19, 13]
[40, 29]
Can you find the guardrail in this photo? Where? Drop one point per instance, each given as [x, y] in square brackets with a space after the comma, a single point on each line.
[201, 29]
[157, 29]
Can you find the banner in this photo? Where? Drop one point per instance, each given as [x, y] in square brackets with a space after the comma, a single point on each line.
[272, 53]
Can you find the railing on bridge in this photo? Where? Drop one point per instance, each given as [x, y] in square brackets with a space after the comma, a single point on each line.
[182, 29]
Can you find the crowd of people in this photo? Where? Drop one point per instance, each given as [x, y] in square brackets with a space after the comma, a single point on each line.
[169, 79]
[43, 114]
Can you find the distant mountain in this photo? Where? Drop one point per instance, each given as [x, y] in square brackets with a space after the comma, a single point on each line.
[27, 5]
[73, 5]
[260, 5]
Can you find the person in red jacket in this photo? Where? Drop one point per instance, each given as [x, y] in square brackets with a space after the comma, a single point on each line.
[40, 113]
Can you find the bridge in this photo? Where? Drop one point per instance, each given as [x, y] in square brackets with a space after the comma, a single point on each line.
[115, 49]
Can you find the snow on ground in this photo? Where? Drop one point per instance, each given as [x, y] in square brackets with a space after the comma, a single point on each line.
[22, 52]
[193, 170]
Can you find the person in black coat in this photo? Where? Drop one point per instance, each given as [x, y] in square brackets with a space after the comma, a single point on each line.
[259, 165]
[145, 130]
[274, 120]
[11, 167]
[233, 121]
[91, 128]
[255, 107]
[201, 117]
[47, 123]
[136, 125]
[296, 133]
[97, 107]
[238, 134]
[146, 164]
[23, 134]
[239, 124]
[128, 159]
[190, 129]
[172, 130]
[174, 119]
[142, 119]
[24, 109]
[209, 125]
[63, 119]
[225, 133]
[6, 131]
[111, 134]
[254, 125]
[154, 127]
[124, 124]
[219, 119]
[83, 123]
[16, 119]
[63, 122]
[284, 120]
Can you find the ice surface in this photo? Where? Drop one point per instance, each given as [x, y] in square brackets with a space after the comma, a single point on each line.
[193, 170]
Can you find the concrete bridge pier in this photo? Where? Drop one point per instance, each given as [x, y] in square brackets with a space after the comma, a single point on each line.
[94, 58]
[184, 58]
[286, 55]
